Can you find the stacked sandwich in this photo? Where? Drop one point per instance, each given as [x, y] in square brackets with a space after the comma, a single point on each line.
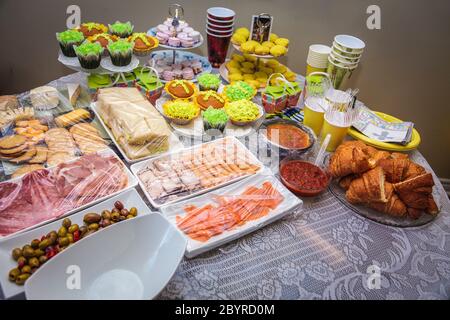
[135, 123]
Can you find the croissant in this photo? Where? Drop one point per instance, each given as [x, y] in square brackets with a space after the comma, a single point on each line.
[368, 188]
[432, 206]
[413, 170]
[398, 155]
[375, 154]
[415, 192]
[394, 169]
[349, 159]
[394, 206]
[345, 182]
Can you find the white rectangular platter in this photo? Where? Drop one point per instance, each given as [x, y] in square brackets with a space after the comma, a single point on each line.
[135, 168]
[174, 143]
[132, 182]
[194, 247]
[129, 198]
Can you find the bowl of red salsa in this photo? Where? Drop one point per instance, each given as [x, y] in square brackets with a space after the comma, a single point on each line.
[304, 178]
[288, 135]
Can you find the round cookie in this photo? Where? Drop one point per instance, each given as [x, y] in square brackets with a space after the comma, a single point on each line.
[10, 142]
[16, 150]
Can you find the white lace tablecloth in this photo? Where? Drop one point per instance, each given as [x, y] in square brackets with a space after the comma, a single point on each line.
[322, 252]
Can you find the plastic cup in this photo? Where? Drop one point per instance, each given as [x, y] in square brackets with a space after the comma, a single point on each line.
[336, 129]
[310, 69]
[338, 98]
[220, 13]
[220, 23]
[218, 27]
[349, 44]
[219, 34]
[217, 31]
[313, 115]
[217, 48]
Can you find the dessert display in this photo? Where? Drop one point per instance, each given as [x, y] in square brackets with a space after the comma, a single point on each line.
[89, 55]
[44, 98]
[121, 29]
[389, 183]
[46, 194]
[304, 178]
[143, 43]
[208, 81]
[73, 117]
[239, 90]
[227, 213]
[121, 52]
[32, 256]
[276, 46]
[185, 69]
[210, 98]
[214, 119]
[176, 36]
[91, 28]
[181, 111]
[180, 89]
[67, 40]
[189, 172]
[256, 72]
[242, 112]
[136, 125]
[103, 39]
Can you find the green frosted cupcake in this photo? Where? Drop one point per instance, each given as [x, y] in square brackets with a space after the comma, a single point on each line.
[208, 81]
[89, 55]
[121, 29]
[67, 39]
[121, 52]
[214, 120]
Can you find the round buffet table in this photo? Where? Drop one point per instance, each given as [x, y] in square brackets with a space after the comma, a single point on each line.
[323, 251]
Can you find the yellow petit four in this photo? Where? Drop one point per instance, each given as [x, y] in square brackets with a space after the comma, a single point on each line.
[238, 39]
[282, 42]
[244, 32]
[261, 50]
[237, 57]
[278, 50]
[273, 37]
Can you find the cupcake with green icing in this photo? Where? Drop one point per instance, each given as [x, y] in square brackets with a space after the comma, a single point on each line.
[239, 90]
[67, 39]
[121, 52]
[214, 119]
[121, 29]
[89, 54]
[208, 81]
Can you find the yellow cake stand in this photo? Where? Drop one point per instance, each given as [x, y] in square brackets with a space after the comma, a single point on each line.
[413, 144]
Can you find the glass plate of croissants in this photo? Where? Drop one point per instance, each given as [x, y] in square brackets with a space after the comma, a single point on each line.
[385, 187]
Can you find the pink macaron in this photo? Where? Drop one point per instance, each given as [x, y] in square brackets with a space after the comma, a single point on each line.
[174, 42]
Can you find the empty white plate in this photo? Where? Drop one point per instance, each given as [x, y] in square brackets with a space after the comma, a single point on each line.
[134, 259]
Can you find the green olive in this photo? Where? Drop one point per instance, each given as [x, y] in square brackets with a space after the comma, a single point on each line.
[93, 226]
[44, 244]
[70, 237]
[53, 236]
[42, 259]
[124, 212]
[34, 262]
[26, 269]
[16, 253]
[66, 223]
[21, 260]
[130, 216]
[63, 241]
[22, 278]
[133, 211]
[13, 274]
[83, 230]
[73, 228]
[106, 223]
[28, 252]
[38, 253]
[92, 218]
[26, 246]
[106, 214]
[115, 216]
[35, 244]
[62, 231]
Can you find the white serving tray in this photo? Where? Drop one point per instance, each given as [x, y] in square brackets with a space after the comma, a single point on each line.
[174, 142]
[194, 247]
[130, 198]
[132, 182]
[135, 168]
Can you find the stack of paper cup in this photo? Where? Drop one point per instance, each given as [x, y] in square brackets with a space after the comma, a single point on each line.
[317, 60]
[219, 29]
[344, 58]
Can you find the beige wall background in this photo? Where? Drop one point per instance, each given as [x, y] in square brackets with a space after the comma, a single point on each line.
[404, 71]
